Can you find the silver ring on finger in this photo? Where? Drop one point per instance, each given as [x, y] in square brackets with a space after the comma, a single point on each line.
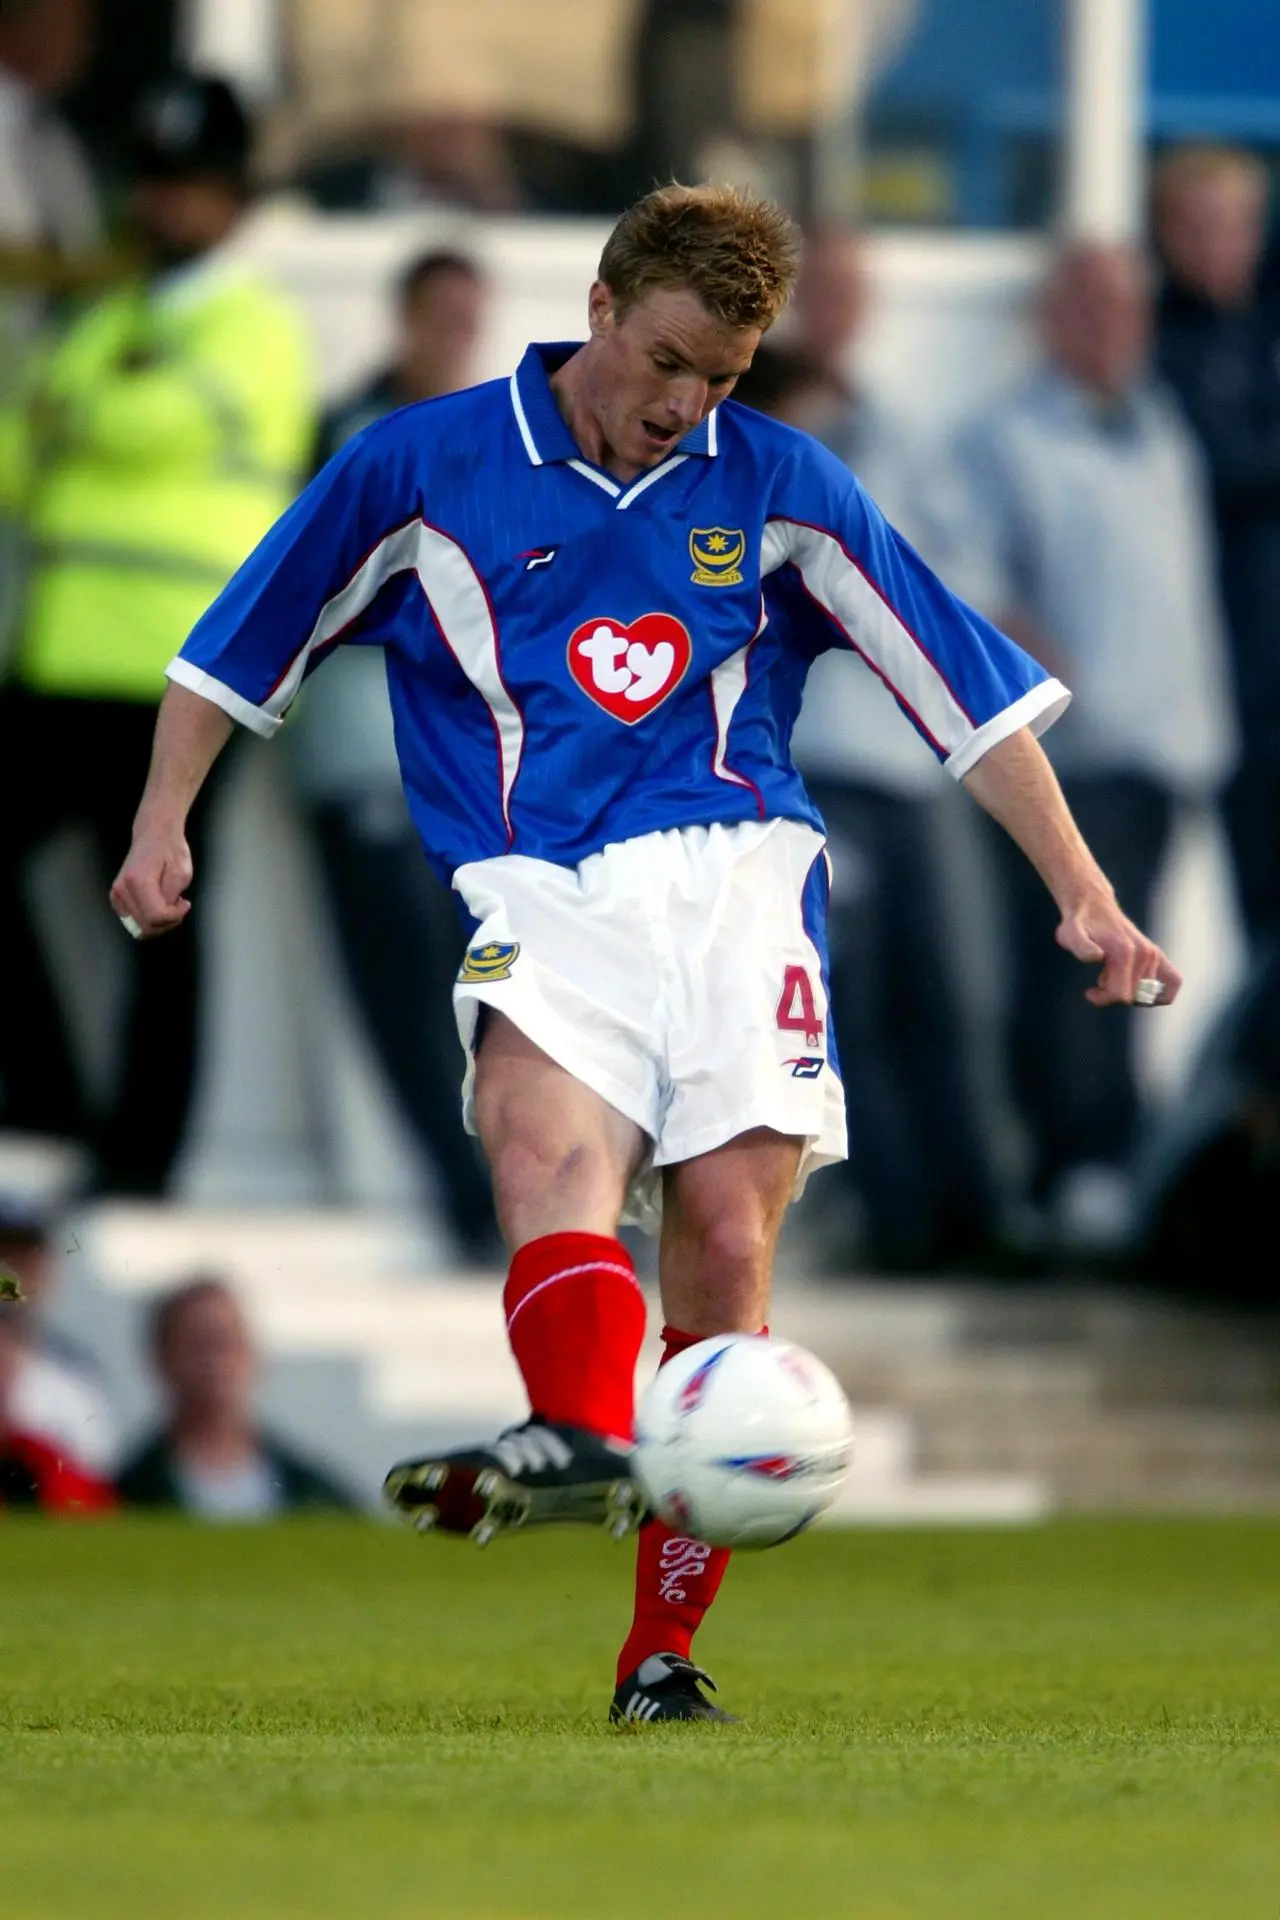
[1148, 993]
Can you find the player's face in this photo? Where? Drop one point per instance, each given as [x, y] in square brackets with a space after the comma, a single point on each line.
[658, 370]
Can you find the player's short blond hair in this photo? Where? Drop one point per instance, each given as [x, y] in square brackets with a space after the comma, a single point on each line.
[740, 254]
[1203, 161]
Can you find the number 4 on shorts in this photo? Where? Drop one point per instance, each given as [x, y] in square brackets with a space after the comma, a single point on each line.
[797, 1008]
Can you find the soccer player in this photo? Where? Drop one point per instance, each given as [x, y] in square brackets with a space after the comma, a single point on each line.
[598, 590]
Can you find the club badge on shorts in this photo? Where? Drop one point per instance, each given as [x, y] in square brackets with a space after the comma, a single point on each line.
[717, 553]
[492, 961]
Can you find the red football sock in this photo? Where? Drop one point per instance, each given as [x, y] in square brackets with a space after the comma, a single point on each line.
[575, 1320]
[676, 1578]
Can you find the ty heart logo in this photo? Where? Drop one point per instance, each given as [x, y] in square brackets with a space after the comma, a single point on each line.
[630, 670]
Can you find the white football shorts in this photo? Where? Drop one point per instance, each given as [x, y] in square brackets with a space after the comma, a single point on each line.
[681, 975]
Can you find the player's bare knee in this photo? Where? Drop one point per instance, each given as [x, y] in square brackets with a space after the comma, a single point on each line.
[542, 1185]
[730, 1248]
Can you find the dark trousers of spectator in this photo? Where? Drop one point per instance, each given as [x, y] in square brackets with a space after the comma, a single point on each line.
[401, 943]
[83, 763]
[917, 1151]
[1070, 1063]
[1251, 815]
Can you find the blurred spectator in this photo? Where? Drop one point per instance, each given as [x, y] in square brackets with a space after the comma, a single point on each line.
[47, 197]
[212, 1457]
[1096, 512]
[33, 1471]
[827, 317]
[917, 1153]
[444, 159]
[1218, 342]
[398, 929]
[48, 216]
[167, 430]
[441, 303]
[57, 1393]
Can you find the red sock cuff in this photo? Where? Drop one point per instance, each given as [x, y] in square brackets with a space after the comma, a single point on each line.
[674, 1342]
[556, 1257]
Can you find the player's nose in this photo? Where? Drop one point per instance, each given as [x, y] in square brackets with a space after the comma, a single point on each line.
[687, 402]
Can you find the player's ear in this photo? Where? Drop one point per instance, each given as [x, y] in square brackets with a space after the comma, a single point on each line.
[600, 310]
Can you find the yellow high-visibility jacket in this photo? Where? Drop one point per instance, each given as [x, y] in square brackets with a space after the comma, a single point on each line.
[166, 431]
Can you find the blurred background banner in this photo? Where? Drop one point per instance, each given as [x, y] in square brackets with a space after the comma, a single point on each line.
[563, 70]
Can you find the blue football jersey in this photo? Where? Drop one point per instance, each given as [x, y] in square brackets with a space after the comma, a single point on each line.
[574, 660]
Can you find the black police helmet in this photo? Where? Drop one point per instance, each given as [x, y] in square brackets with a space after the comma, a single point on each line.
[190, 124]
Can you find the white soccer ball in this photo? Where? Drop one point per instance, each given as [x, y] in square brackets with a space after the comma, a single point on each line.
[742, 1441]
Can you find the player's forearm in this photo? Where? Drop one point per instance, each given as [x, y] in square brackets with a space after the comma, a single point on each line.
[1016, 785]
[190, 734]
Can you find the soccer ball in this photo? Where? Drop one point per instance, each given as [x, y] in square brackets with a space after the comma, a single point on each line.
[742, 1441]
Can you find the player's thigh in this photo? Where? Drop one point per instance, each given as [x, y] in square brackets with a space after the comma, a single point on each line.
[722, 1213]
[560, 1156]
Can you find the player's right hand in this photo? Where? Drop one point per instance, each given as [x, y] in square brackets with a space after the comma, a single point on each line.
[1098, 932]
[148, 893]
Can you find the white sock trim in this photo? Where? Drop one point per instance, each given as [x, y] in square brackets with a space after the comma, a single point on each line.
[572, 1273]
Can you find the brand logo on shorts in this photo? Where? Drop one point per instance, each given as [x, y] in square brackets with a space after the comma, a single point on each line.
[630, 669]
[716, 553]
[492, 961]
[805, 1066]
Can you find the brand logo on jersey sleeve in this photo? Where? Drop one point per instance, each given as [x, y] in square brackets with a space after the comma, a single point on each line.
[491, 961]
[629, 669]
[717, 553]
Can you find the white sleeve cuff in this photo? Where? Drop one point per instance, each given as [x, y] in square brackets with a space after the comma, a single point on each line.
[1037, 709]
[196, 680]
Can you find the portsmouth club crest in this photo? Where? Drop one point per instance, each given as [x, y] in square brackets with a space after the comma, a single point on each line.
[717, 553]
[491, 961]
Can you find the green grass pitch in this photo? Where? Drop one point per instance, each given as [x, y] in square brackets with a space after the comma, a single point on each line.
[1080, 1722]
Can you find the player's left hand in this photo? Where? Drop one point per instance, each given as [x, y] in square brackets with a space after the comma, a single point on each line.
[1097, 932]
[148, 894]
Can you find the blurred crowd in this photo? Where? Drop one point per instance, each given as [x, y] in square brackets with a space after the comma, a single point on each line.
[208, 1455]
[1118, 512]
